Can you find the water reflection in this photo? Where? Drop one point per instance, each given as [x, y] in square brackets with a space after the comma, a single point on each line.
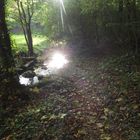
[57, 62]
[24, 81]
[28, 81]
[34, 80]
[42, 72]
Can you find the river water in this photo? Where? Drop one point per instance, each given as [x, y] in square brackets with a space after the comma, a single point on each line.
[53, 66]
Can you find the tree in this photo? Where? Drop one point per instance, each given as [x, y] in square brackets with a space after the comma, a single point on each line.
[115, 21]
[7, 61]
[51, 17]
[92, 21]
[8, 76]
[26, 10]
[121, 8]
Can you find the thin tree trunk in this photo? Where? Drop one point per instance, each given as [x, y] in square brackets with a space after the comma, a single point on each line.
[30, 41]
[96, 30]
[25, 20]
[121, 2]
[22, 23]
[134, 16]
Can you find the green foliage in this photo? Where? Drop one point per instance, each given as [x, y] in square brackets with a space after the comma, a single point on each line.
[19, 44]
[12, 15]
[93, 20]
[15, 48]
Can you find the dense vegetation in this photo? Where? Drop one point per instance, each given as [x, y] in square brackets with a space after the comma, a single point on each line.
[96, 95]
[92, 21]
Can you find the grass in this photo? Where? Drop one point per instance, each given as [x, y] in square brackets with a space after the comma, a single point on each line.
[40, 42]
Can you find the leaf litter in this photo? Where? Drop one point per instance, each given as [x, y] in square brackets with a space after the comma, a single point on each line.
[98, 100]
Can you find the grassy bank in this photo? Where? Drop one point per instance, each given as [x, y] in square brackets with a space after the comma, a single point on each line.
[40, 42]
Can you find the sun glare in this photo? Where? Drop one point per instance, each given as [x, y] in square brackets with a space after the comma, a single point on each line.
[58, 61]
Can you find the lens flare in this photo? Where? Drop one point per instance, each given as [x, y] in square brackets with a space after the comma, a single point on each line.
[58, 61]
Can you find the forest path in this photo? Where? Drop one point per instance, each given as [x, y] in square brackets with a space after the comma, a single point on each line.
[76, 103]
[73, 97]
[91, 98]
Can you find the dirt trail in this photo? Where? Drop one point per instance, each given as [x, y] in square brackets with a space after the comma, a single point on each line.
[74, 94]
[89, 108]
[82, 101]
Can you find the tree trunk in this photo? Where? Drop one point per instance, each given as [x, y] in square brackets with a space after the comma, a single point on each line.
[8, 76]
[121, 2]
[25, 16]
[132, 28]
[7, 61]
[30, 41]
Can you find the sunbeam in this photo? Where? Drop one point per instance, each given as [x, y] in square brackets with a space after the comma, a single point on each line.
[62, 4]
[62, 18]
[62, 12]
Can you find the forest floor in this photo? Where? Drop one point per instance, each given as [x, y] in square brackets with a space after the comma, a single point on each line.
[93, 98]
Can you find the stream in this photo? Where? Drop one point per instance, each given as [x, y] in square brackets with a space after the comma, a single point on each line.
[49, 67]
